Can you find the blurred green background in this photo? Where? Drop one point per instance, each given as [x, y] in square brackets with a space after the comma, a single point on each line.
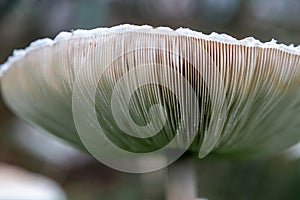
[82, 177]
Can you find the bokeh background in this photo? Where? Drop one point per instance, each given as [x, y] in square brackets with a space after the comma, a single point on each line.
[77, 176]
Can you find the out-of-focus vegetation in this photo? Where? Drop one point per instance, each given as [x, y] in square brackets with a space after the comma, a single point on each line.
[82, 177]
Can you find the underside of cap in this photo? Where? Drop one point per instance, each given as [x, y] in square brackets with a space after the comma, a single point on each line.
[246, 90]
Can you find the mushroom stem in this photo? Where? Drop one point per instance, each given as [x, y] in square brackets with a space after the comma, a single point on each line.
[181, 181]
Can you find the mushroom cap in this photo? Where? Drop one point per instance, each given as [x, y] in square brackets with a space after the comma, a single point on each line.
[143, 89]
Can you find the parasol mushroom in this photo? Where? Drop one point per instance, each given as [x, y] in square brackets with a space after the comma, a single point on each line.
[131, 93]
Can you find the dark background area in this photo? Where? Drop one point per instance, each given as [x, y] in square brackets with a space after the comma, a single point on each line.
[82, 177]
